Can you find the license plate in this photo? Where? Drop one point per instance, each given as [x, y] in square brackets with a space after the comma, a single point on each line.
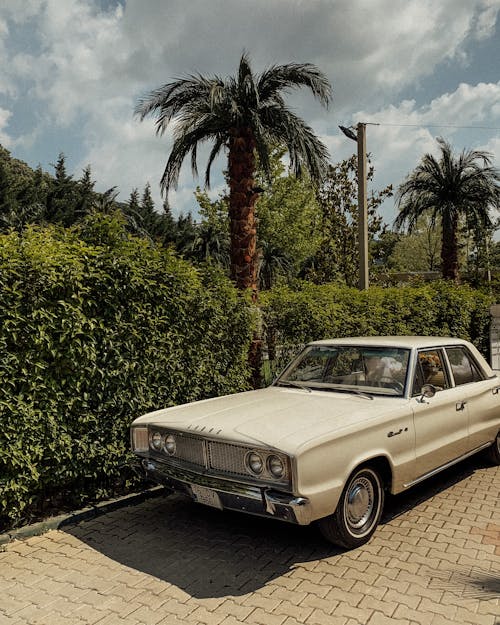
[206, 496]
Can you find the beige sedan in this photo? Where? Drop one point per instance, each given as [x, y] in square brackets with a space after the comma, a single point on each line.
[347, 421]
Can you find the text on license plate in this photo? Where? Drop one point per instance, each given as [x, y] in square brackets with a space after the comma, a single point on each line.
[205, 495]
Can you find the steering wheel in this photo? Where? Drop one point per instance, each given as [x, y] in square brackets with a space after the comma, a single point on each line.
[391, 383]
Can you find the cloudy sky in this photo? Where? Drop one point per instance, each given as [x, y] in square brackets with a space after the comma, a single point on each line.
[73, 70]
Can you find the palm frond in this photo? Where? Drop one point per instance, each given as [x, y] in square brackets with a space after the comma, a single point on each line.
[292, 76]
[306, 151]
[218, 145]
[184, 143]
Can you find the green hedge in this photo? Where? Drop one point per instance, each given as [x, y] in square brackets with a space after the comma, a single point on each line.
[310, 312]
[97, 327]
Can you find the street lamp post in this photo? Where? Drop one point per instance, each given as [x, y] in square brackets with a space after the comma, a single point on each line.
[360, 138]
[362, 210]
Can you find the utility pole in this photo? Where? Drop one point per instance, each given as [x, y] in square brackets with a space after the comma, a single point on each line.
[360, 138]
[364, 280]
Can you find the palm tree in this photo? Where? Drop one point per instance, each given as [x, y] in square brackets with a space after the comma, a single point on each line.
[273, 262]
[209, 243]
[244, 115]
[452, 188]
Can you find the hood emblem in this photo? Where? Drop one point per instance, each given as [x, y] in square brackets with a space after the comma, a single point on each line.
[202, 428]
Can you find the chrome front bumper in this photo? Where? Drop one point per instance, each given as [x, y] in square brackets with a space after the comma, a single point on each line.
[230, 495]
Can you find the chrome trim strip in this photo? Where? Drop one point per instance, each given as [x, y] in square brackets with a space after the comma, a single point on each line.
[299, 505]
[188, 477]
[274, 503]
[446, 466]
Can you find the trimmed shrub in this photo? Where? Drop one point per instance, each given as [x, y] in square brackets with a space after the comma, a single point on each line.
[96, 328]
[311, 312]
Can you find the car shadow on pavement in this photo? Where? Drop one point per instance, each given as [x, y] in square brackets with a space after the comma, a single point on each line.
[210, 553]
[203, 551]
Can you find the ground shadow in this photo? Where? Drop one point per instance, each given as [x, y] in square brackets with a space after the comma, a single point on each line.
[468, 582]
[203, 551]
[209, 553]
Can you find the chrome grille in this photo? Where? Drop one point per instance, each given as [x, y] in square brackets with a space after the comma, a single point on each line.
[216, 457]
[190, 449]
[227, 458]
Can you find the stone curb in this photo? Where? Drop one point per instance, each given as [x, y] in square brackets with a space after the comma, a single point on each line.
[71, 518]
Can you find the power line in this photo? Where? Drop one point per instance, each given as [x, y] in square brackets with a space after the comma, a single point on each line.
[438, 126]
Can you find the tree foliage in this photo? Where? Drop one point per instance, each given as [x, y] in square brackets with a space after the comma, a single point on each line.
[337, 257]
[289, 218]
[419, 250]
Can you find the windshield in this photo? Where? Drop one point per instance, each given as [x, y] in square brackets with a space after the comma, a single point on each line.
[379, 370]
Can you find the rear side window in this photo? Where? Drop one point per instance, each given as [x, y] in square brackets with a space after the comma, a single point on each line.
[463, 367]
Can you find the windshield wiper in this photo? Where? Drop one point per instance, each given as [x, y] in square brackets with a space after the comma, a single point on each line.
[355, 391]
[295, 385]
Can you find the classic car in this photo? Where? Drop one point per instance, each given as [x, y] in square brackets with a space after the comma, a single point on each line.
[347, 421]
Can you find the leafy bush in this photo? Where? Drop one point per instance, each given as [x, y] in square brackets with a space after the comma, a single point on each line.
[96, 328]
[310, 312]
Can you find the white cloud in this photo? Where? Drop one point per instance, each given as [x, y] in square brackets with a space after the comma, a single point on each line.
[76, 67]
[6, 84]
[84, 69]
[367, 48]
[493, 147]
[18, 14]
[5, 139]
[124, 153]
[486, 19]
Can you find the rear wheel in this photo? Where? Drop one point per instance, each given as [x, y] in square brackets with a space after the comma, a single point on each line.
[358, 511]
[494, 450]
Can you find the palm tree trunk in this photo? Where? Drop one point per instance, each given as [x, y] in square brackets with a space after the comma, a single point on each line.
[242, 200]
[243, 230]
[449, 248]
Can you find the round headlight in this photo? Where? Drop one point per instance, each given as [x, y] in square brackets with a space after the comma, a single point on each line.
[170, 445]
[254, 463]
[156, 441]
[275, 466]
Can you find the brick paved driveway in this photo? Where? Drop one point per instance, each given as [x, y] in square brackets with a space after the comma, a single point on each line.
[435, 560]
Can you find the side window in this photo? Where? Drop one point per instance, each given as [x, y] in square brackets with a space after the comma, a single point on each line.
[418, 382]
[430, 370]
[463, 367]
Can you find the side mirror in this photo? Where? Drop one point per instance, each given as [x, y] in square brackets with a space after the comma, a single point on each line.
[428, 391]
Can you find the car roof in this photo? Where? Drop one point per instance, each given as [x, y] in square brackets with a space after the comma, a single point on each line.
[407, 342]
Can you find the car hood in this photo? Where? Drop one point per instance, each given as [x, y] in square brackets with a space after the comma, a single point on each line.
[281, 418]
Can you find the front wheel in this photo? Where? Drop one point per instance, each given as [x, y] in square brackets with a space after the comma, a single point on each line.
[494, 450]
[358, 511]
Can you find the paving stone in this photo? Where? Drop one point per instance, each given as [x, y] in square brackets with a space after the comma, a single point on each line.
[166, 562]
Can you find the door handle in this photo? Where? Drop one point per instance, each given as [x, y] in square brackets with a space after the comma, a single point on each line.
[461, 405]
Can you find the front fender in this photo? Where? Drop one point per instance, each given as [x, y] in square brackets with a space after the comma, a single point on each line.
[323, 470]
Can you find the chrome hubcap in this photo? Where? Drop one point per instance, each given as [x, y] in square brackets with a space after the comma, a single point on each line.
[360, 502]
